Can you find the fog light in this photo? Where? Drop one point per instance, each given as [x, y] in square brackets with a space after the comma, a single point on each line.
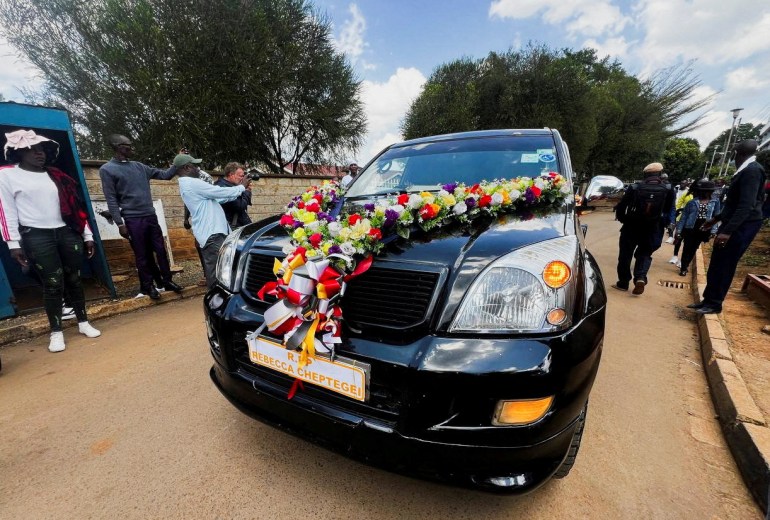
[521, 412]
[216, 302]
[556, 316]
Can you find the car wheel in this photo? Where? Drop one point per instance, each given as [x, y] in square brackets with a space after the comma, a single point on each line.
[574, 446]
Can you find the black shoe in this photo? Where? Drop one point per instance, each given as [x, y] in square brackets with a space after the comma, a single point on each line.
[619, 287]
[171, 286]
[639, 287]
[709, 309]
[696, 305]
[683, 272]
[153, 293]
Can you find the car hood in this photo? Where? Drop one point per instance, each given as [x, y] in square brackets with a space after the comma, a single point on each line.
[477, 243]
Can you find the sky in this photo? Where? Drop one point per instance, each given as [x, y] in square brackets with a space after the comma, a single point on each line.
[395, 45]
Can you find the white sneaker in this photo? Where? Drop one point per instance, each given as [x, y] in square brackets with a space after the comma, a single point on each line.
[670, 240]
[674, 259]
[67, 313]
[57, 342]
[85, 328]
[679, 264]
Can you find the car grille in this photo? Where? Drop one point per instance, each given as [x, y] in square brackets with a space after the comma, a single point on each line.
[381, 297]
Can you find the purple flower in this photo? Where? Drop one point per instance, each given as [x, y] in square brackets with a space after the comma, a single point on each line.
[450, 187]
[391, 216]
[529, 196]
[470, 202]
[369, 207]
[297, 224]
[335, 250]
[290, 204]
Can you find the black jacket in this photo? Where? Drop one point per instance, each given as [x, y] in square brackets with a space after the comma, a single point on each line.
[743, 202]
[235, 210]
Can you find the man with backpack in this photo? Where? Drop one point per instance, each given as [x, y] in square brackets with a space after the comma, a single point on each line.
[644, 211]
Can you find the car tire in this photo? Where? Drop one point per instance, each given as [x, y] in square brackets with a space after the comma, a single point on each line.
[574, 446]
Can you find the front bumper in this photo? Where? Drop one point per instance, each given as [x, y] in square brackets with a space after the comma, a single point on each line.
[429, 412]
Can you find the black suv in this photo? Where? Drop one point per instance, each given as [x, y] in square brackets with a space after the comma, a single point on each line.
[471, 374]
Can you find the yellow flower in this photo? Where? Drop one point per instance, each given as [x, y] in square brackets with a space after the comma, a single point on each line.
[449, 200]
[345, 234]
[506, 197]
[306, 216]
[427, 197]
[299, 234]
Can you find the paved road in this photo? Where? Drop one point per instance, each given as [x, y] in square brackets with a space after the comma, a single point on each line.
[129, 426]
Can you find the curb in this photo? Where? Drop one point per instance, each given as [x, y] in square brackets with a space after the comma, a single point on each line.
[39, 326]
[743, 425]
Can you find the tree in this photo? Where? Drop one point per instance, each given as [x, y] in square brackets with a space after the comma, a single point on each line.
[682, 159]
[741, 132]
[245, 79]
[614, 123]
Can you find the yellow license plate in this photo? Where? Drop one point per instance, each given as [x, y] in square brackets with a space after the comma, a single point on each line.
[343, 378]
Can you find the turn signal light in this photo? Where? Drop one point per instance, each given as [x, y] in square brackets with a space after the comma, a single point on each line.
[556, 316]
[521, 412]
[556, 274]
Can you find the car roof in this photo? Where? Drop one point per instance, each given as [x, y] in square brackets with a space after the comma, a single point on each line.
[476, 134]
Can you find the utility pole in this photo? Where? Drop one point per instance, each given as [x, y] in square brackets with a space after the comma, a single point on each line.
[710, 164]
[735, 112]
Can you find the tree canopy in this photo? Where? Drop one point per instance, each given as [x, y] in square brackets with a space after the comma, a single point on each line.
[228, 79]
[613, 122]
[682, 159]
[741, 132]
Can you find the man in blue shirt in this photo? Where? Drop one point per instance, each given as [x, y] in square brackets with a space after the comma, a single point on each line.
[209, 225]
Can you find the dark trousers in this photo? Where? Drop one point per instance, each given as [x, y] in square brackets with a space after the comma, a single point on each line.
[638, 243]
[210, 254]
[691, 241]
[57, 255]
[147, 241]
[724, 262]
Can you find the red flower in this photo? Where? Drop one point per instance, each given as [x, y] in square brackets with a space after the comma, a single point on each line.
[301, 205]
[313, 206]
[429, 211]
[353, 219]
[552, 174]
[536, 191]
[315, 239]
[403, 199]
[484, 201]
[375, 234]
[475, 189]
[319, 198]
[286, 220]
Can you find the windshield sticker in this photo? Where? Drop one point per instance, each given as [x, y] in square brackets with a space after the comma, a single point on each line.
[529, 158]
[547, 157]
[541, 151]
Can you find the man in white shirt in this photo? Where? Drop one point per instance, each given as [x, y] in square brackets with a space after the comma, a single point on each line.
[352, 172]
[209, 224]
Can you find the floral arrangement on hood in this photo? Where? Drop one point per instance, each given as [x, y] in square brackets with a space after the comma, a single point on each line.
[329, 248]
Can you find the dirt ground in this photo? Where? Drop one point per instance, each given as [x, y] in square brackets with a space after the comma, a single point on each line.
[743, 321]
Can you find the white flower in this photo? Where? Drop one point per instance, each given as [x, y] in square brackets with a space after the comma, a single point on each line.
[313, 226]
[540, 184]
[348, 248]
[442, 193]
[497, 198]
[514, 195]
[415, 201]
[565, 189]
[459, 191]
[459, 208]
[334, 228]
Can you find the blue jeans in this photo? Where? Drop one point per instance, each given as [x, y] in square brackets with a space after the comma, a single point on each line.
[724, 262]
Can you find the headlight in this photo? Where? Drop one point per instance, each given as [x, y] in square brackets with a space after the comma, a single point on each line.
[531, 289]
[226, 258]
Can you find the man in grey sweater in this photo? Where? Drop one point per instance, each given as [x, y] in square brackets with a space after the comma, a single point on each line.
[126, 186]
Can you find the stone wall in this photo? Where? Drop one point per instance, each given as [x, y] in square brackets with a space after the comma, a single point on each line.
[269, 196]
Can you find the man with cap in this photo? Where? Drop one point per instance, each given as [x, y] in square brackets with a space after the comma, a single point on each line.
[209, 224]
[644, 211]
[740, 221]
[126, 187]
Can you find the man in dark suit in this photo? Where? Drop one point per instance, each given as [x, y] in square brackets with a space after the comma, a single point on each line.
[741, 219]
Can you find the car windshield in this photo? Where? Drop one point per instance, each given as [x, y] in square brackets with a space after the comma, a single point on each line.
[427, 166]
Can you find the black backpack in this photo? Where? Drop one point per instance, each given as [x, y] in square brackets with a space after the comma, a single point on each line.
[649, 201]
